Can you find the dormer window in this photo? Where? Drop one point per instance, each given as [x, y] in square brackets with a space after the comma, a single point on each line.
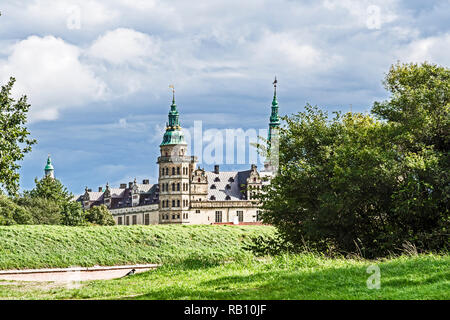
[227, 198]
[213, 186]
[228, 187]
[212, 198]
[216, 179]
[231, 179]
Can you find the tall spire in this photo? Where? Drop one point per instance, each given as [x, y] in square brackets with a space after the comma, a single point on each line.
[274, 117]
[173, 134]
[49, 170]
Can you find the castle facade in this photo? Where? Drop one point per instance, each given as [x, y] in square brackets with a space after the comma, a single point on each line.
[185, 194]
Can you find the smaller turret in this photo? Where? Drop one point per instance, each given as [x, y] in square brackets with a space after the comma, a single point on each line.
[49, 170]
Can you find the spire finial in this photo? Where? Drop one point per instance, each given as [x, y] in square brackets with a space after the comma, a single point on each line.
[275, 87]
[173, 93]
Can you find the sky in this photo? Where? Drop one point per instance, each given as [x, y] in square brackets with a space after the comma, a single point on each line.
[97, 72]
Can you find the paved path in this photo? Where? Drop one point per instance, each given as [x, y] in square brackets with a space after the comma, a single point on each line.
[67, 275]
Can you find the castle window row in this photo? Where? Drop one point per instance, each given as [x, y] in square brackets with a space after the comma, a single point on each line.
[174, 187]
[173, 171]
[175, 203]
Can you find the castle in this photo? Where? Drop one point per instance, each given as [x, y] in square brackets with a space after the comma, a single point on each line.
[184, 193]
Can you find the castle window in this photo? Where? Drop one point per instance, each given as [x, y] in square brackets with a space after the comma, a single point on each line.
[127, 220]
[119, 220]
[173, 203]
[216, 179]
[173, 186]
[134, 220]
[197, 211]
[227, 198]
[147, 219]
[254, 179]
[173, 171]
[178, 203]
[213, 186]
[240, 215]
[228, 187]
[167, 171]
[178, 187]
[218, 216]
[198, 179]
[178, 170]
[212, 198]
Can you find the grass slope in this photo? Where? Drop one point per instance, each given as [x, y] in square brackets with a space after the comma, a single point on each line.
[303, 276]
[24, 247]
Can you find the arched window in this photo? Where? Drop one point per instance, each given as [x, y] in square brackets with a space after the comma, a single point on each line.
[178, 187]
[178, 170]
[173, 171]
[173, 186]
[167, 171]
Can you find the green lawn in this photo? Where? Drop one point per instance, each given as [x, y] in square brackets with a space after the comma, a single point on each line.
[40, 246]
[206, 262]
[284, 277]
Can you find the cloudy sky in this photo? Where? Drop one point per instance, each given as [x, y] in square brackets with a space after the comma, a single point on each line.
[96, 72]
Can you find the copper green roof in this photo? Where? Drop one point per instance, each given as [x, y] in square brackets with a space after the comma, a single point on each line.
[173, 134]
[49, 165]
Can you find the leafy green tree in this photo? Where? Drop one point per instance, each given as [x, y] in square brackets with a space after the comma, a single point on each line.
[418, 109]
[14, 137]
[100, 215]
[43, 211]
[50, 188]
[364, 185]
[11, 213]
[73, 214]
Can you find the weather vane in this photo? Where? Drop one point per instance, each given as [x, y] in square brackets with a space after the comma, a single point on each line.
[275, 85]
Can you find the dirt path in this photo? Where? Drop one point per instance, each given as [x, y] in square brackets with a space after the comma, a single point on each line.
[69, 275]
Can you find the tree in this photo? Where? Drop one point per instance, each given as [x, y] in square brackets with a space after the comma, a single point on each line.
[73, 214]
[11, 213]
[365, 185]
[14, 137]
[43, 211]
[100, 215]
[50, 188]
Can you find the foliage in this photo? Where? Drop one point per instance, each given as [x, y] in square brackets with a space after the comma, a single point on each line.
[43, 211]
[366, 186]
[73, 214]
[14, 140]
[50, 188]
[11, 213]
[100, 215]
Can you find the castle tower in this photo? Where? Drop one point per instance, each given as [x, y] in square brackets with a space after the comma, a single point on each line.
[271, 162]
[49, 170]
[175, 168]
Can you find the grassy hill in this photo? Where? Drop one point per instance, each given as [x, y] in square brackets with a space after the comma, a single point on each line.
[23, 247]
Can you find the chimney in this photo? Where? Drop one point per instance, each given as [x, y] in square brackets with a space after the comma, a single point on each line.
[100, 189]
[145, 181]
[216, 169]
[89, 190]
[123, 186]
[130, 184]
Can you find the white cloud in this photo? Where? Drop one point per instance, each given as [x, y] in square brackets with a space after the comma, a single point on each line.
[431, 49]
[123, 45]
[49, 72]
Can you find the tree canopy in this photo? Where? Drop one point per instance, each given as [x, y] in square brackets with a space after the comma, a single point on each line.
[14, 137]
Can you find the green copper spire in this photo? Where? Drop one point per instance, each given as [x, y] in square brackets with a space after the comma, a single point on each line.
[173, 134]
[274, 118]
[49, 167]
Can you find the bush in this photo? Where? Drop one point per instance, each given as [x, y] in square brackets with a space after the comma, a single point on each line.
[43, 211]
[11, 213]
[100, 215]
[73, 214]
